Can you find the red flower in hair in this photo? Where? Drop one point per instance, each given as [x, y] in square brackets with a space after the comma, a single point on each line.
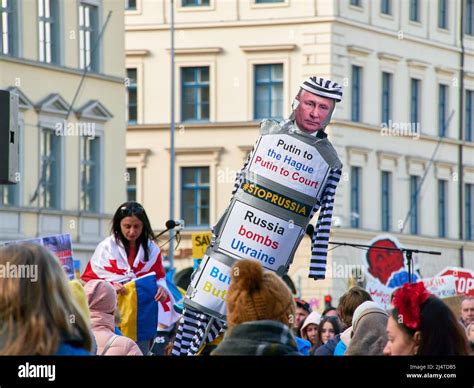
[407, 300]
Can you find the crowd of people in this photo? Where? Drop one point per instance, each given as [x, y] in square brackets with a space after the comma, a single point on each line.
[55, 316]
[418, 324]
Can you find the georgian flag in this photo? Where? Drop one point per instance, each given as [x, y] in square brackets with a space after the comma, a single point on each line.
[109, 262]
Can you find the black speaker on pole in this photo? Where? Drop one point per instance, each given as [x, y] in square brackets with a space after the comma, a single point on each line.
[9, 137]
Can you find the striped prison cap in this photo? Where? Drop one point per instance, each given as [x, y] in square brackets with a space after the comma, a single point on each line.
[323, 87]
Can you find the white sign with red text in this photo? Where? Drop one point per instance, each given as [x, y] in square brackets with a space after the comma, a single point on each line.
[291, 163]
[250, 233]
[380, 294]
[464, 279]
[441, 286]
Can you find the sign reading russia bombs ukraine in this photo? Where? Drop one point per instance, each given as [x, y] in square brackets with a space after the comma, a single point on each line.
[291, 163]
[250, 233]
[209, 287]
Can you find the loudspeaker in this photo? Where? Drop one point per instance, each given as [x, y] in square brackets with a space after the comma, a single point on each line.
[9, 137]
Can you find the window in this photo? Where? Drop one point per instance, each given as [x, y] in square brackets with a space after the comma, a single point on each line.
[356, 3]
[88, 34]
[414, 10]
[50, 170]
[415, 101]
[386, 97]
[130, 5]
[131, 184]
[356, 92]
[195, 93]
[268, 1]
[442, 109]
[90, 174]
[8, 27]
[9, 195]
[48, 31]
[469, 211]
[386, 7]
[442, 14]
[195, 3]
[195, 196]
[414, 204]
[386, 200]
[469, 14]
[268, 97]
[132, 95]
[469, 116]
[355, 197]
[441, 208]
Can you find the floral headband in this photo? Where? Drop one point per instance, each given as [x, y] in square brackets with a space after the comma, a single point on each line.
[407, 300]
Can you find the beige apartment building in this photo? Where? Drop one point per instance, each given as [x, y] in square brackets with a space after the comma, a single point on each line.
[72, 147]
[237, 61]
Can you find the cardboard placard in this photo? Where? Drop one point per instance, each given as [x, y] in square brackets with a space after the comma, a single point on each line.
[60, 245]
[441, 286]
[291, 163]
[380, 294]
[209, 287]
[200, 243]
[250, 233]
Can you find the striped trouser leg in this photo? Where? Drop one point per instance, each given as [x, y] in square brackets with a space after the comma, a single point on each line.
[186, 330]
[194, 329]
[208, 330]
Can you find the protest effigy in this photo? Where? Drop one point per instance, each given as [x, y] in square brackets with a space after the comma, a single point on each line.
[285, 178]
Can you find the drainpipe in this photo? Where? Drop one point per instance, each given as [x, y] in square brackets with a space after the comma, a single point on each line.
[461, 131]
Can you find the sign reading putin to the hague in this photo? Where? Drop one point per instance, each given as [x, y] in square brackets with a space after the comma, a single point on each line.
[291, 163]
[250, 233]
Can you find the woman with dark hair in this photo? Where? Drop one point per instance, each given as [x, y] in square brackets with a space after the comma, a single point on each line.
[309, 331]
[129, 253]
[422, 324]
[328, 329]
[330, 312]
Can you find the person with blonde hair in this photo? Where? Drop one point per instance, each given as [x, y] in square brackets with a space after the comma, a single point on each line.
[38, 315]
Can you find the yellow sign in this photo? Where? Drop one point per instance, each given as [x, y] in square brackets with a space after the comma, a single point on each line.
[200, 243]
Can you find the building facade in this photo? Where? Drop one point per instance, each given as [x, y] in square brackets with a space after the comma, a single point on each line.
[72, 121]
[404, 130]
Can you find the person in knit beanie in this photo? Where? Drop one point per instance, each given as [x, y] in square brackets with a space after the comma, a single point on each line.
[260, 313]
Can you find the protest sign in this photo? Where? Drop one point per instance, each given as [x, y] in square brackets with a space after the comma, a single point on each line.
[60, 245]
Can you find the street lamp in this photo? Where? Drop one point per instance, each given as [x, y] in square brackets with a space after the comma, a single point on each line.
[172, 151]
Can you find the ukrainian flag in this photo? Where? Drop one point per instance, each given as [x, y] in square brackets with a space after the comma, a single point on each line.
[138, 309]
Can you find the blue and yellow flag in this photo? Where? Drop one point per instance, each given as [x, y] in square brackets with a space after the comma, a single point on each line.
[138, 309]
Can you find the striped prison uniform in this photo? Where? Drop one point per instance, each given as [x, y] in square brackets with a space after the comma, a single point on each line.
[197, 328]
